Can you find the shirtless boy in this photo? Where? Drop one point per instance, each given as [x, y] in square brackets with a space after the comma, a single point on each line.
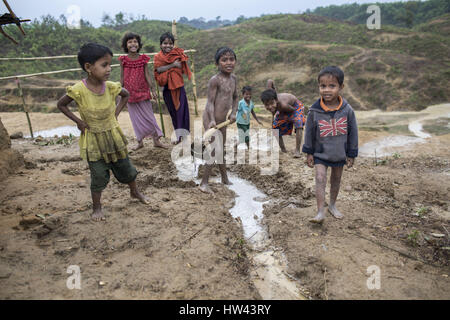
[288, 113]
[222, 96]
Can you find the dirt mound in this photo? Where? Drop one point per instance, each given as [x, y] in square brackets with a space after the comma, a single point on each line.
[10, 159]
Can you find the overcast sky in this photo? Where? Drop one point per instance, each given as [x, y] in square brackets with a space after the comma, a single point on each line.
[93, 10]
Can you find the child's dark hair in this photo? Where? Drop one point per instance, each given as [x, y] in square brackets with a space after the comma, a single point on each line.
[246, 89]
[166, 35]
[91, 52]
[333, 71]
[268, 95]
[129, 36]
[221, 51]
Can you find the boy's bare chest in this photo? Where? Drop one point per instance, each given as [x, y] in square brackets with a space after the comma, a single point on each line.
[226, 87]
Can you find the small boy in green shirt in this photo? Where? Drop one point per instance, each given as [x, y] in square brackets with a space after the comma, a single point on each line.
[245, 107]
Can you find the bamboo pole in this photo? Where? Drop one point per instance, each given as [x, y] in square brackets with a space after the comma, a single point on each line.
[75, 56]
[66, 70]
[25, 107]
[194, 83]
[160, 110]
[174, 32]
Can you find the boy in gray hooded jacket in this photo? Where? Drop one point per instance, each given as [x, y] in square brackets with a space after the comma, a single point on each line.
[331, 138]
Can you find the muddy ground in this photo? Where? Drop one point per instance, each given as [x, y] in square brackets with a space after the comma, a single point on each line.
[186, 245]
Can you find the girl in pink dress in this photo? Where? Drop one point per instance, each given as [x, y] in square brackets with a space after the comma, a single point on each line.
[135, 78]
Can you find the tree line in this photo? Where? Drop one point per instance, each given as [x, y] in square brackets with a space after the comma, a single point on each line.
[400, 14]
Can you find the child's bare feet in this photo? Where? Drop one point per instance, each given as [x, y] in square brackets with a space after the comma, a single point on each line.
[137, 195]
[227, 182]
[205, 188]
[139, 146]
[97, 215]
[159, 144]
[335, 212]
[319, 218]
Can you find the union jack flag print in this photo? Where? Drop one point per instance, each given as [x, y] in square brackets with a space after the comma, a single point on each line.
[333, 127]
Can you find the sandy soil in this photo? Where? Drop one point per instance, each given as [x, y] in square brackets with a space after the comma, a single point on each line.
[186, 245]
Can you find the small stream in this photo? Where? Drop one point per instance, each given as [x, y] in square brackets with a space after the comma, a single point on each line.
[269, 273]
[393, 143]
[59, 131]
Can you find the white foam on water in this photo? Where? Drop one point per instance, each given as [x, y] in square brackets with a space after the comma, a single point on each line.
[247, 209]
[59, 131]
[187, 167]
[416, 128]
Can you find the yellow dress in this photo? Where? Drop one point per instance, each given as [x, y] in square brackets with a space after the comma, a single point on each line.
[104, 139]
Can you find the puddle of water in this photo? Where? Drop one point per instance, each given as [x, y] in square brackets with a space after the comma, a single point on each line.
[270, 279]
[416, 128]
[387, 146]
[391, 144]
[269, 275]
[248, 208]
[187, 168]
[60, 131]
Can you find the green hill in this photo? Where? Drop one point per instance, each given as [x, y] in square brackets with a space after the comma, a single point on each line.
[391, 68]
[400, 14]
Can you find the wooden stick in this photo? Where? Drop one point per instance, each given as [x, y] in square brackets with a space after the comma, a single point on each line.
[325, 283]
[394, 249]
[47, 72]
[9, 9]
[194, 83]
[186, 240]
[7, 36]
[25, 107]
[174, 32]
[53, 72]
[75, 56]
[160, 110]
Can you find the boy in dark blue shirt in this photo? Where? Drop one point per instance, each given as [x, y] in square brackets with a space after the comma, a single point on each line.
[331, 138]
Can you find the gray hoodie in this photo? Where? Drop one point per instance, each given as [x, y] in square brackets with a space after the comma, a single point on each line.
[331, 137]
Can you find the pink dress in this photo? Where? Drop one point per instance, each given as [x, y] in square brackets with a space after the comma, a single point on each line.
[139, 105]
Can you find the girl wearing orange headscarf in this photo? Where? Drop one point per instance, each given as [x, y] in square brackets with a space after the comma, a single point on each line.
[169, 66]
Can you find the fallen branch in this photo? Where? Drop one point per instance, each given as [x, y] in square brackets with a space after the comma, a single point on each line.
[186, 240]
[325, 282]
[395, 250]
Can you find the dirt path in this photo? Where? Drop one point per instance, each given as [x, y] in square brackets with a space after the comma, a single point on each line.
[347, 89]
[186, 245]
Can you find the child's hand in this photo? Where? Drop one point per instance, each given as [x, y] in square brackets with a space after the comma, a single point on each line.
[82, 126]
[212, 124]
[232, 117]
[177, 63]
[153, 94]
[350, 162]
[310, 160]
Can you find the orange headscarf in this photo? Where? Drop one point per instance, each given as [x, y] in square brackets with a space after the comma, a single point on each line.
[173, 77]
